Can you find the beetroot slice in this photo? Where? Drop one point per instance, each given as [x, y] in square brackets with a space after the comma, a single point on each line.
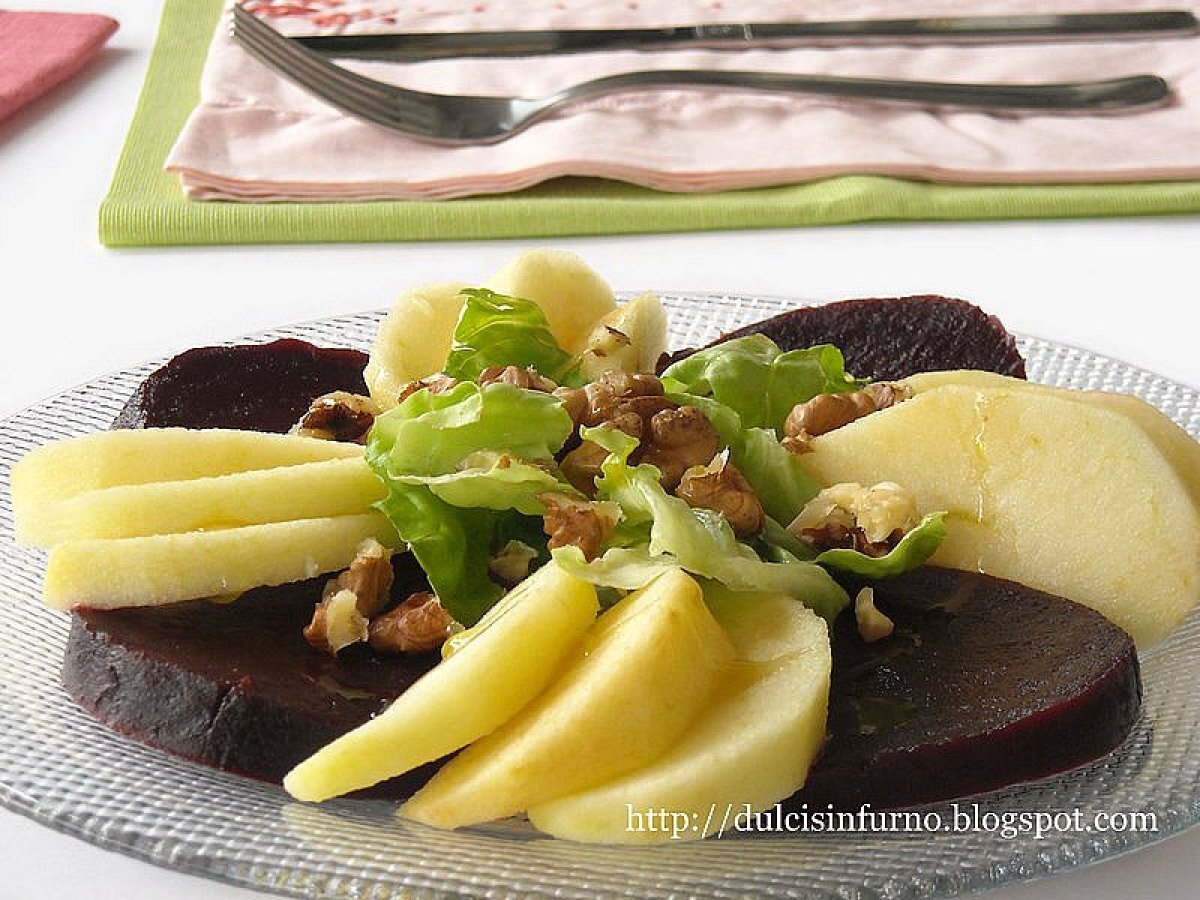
[258, 387]
[886, 339]
[984, 683]
[234, 686]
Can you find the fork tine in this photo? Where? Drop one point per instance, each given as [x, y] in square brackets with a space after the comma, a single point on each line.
[373, 100]
[247, 26]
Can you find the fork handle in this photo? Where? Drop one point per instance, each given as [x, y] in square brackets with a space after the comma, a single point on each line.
[1095, 96]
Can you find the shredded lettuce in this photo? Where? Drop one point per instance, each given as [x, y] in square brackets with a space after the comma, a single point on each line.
[697, 540]
[495, 330]
[758, 381]
[914, 548]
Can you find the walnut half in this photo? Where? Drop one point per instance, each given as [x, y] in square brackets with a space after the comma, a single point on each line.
[719, 486]
[338, 416]
[828, 412]
[417, 625]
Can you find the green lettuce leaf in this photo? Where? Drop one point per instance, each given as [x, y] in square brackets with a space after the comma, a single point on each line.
[756, 380]
[914, 548]
[452, 545]
[493, 481]
[430, 434]
[454, 505]
[495, 330]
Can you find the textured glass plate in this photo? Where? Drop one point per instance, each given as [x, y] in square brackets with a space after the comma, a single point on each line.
[62, 769]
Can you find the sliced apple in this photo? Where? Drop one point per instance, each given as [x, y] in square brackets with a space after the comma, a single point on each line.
[413, 339]
[631, 338]
[515, 651]
[308, 491]
[167, 568]
[753, 745]
[571, 294]
[646, 670]
[1068, 497]
[1172, 441]
[109, 458]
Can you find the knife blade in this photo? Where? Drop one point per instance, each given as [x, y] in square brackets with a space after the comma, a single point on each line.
[416, 46]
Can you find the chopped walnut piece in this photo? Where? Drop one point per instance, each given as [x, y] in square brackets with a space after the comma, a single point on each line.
[435, 384]
[679, 439]
[510, 564]
[358, 593]
[574, 401]
[870, 520]
[607, 394]
[719, 486]
[336, 623]
[828, 412]
[527, 378]
[574, 521]
[873, 625]
[417, 625]
[338, 416]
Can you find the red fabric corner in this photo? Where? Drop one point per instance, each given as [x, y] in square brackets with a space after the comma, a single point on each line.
[40, 49]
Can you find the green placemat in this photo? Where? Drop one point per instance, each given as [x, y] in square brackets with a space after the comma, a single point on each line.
[146, 207]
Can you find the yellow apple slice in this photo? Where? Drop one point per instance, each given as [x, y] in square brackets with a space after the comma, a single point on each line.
[645, 671]
[515, 651]
[751, 748]
[167, 568]
[109, 458]
[1068, 497]
[632, 337]
[572, 296]
[1172, 441]
[334, 487]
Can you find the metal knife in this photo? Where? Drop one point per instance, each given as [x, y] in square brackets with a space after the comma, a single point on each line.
[956, 29]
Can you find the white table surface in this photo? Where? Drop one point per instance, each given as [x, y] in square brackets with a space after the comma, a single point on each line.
[75, 310]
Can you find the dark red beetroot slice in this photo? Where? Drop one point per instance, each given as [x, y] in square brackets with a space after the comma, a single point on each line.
[885, 339]
[260, 387]
[985, 683]
[234, 685]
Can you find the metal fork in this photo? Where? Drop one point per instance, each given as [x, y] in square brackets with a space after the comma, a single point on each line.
[454, 119]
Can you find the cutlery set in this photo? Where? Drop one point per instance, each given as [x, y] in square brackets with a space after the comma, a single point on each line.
[457, 119]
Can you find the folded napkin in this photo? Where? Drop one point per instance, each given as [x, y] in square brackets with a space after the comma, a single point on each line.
[40, 49]
[257, 136]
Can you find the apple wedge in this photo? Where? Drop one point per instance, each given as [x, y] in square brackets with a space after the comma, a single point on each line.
[631, 338]
[647, 669]
[751, 748]
[168, 568]
[413, 339]
[140, 456]
[333, 487]
[514, 652]
[1068, 497]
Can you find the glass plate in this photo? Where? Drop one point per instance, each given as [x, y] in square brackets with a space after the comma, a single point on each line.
[62, 769]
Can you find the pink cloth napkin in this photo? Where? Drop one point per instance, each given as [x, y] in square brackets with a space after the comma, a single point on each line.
[40, 49]
[257, 136]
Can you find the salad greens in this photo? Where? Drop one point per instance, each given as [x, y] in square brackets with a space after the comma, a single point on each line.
[758, 381]
[466, 468]
[495, 330]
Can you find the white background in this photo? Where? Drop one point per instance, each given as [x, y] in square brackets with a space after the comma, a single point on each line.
[74, 310]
